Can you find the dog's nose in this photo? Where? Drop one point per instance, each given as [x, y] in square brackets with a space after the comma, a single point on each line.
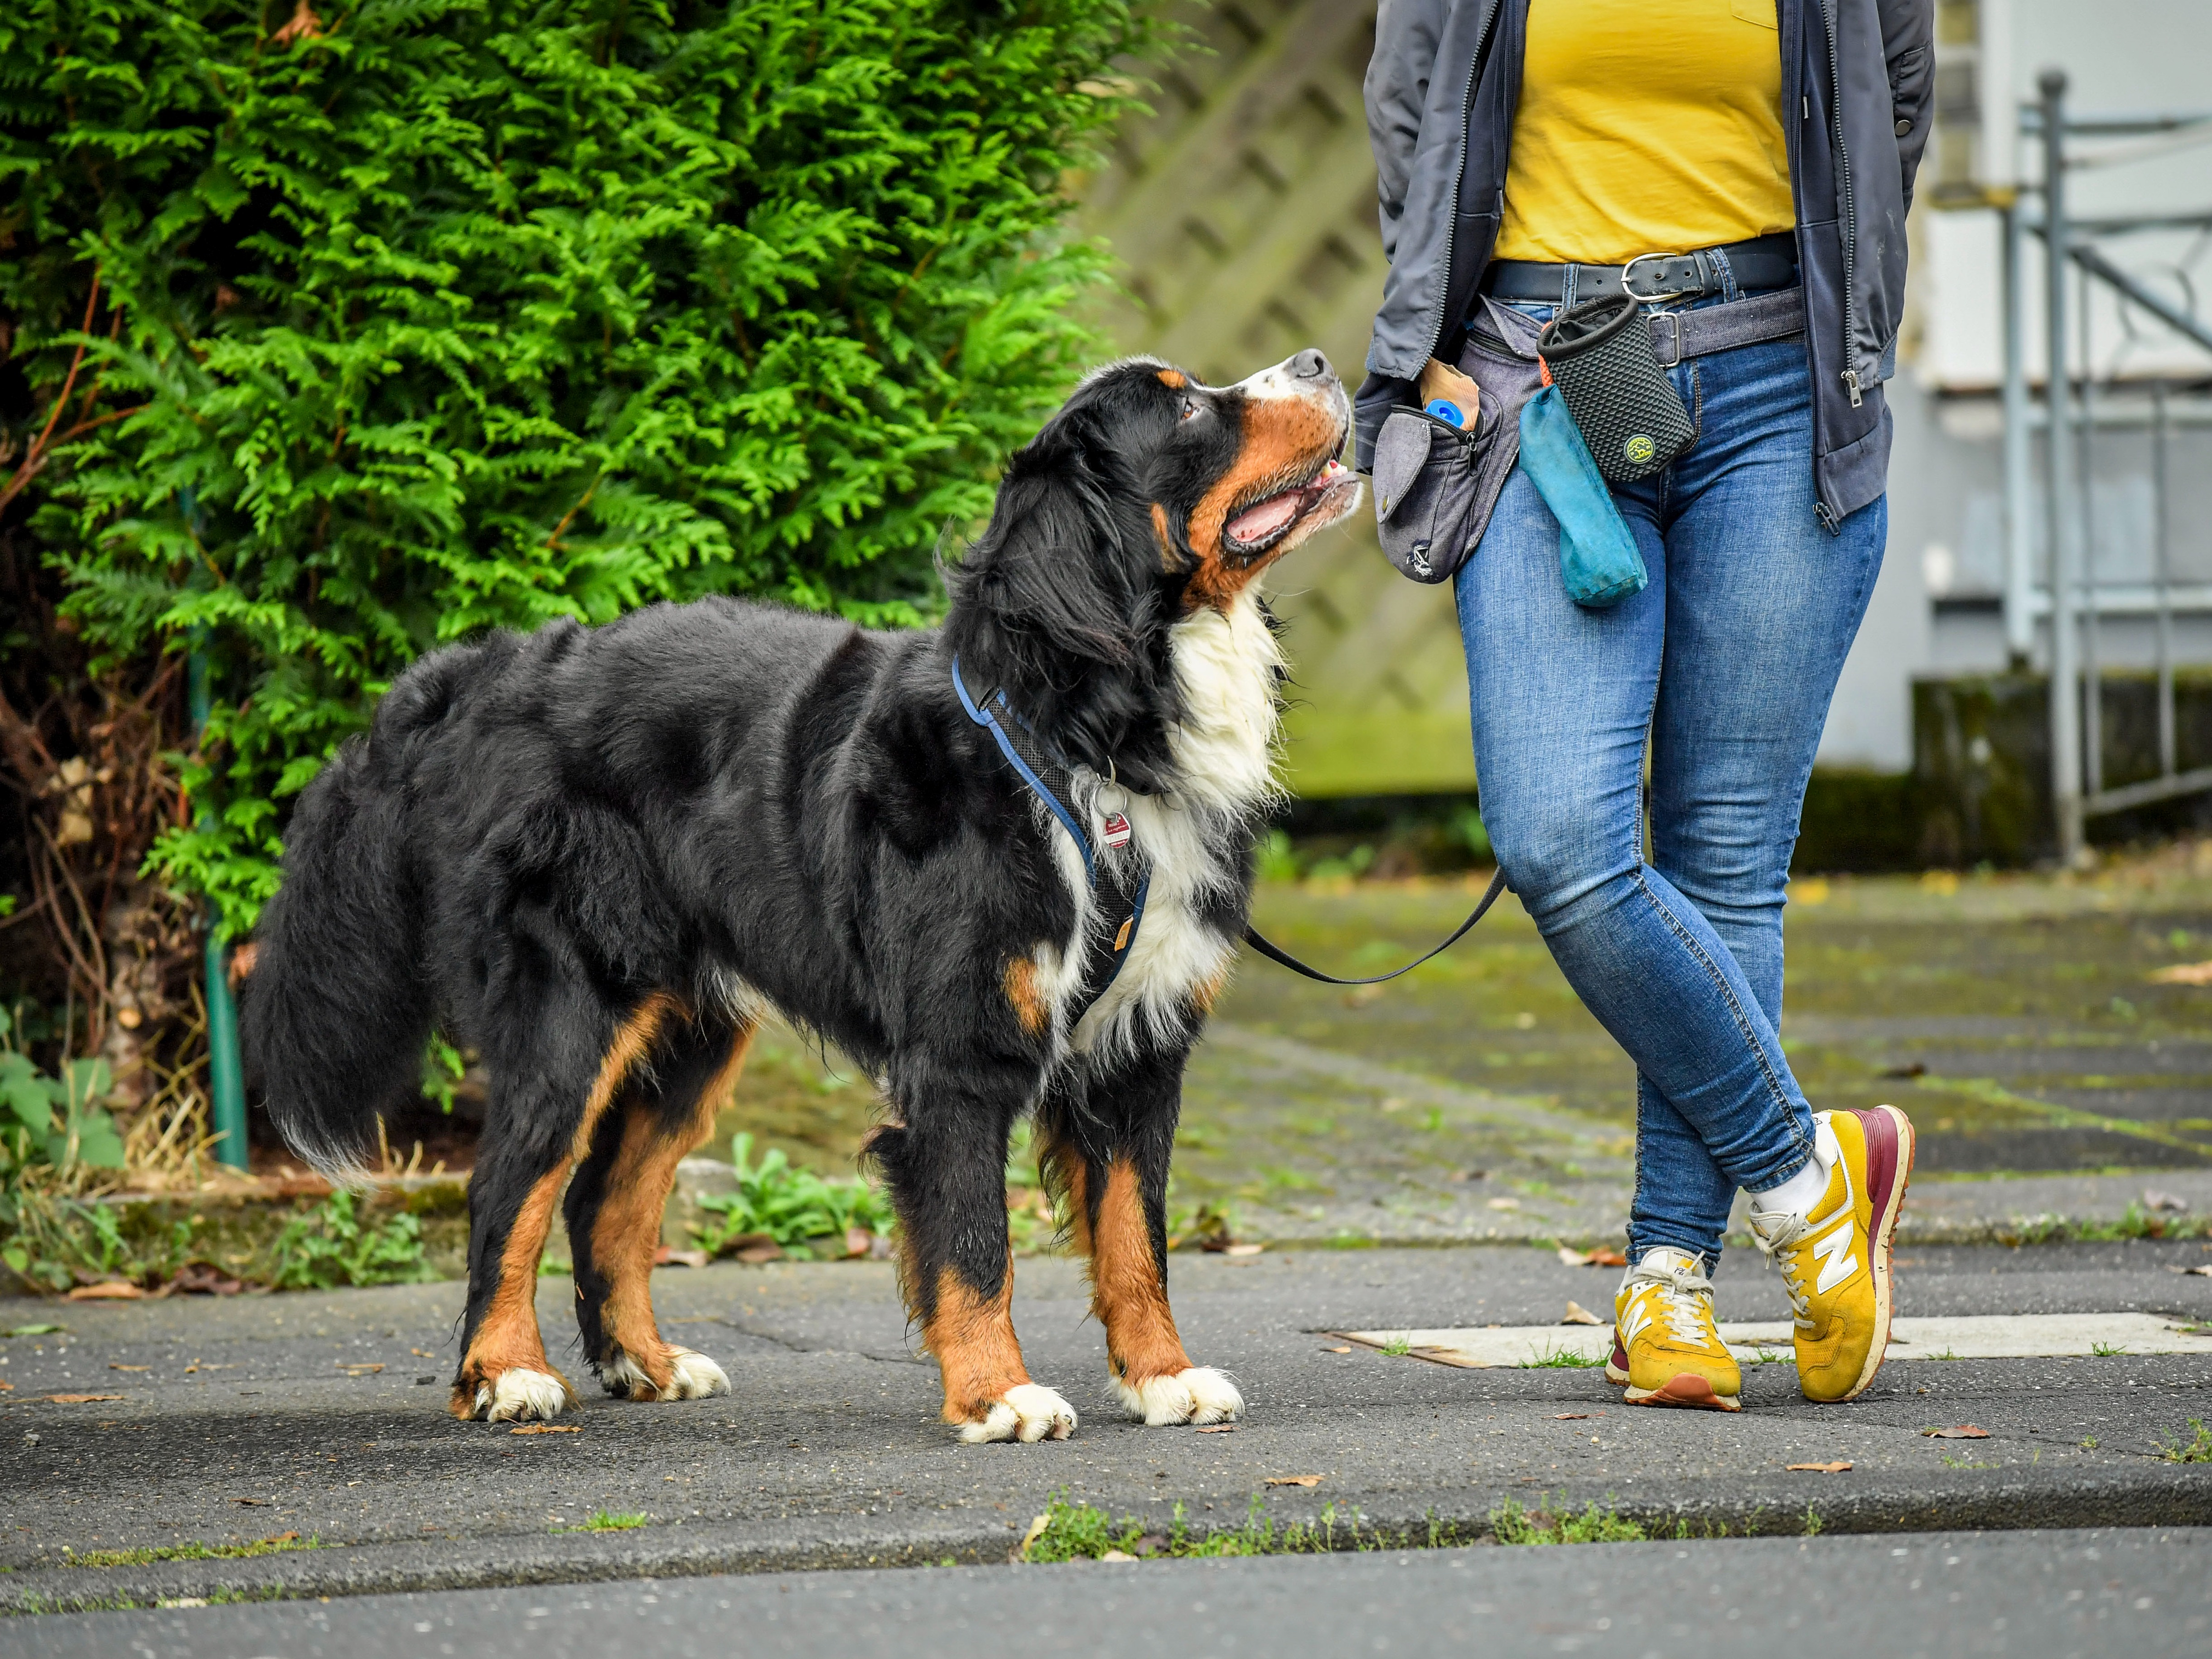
[1309, 365]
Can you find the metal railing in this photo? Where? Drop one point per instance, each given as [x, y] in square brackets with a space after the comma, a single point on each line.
[2077, 600]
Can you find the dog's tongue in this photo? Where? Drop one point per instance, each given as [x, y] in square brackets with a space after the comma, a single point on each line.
[1257, 523]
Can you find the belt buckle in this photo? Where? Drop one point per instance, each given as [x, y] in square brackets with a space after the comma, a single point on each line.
[1628, 284]
[1675, 318]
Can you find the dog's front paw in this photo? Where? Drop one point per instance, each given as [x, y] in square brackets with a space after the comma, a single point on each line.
[1025, 1412]
[1200, 1394]
[513, 1396]
[689, 1375]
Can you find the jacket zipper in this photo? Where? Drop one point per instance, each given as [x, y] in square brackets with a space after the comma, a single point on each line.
[1850, 199]
[1458, 175]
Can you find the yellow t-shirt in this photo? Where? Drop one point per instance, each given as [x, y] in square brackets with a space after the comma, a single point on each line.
[1645, 126]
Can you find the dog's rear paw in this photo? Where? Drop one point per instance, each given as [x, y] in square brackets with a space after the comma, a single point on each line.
[1200, 1394]
[691, 1375]
[1025, 1412]
[515, 1397]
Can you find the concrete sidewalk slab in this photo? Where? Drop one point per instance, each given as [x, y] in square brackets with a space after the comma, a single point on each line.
[1994, 1336]
[255, 1417]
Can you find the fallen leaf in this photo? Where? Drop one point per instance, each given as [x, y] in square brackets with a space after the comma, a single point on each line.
[1579, 1315]
[80, 1398]
[1505, 1203]
[1244, 1249]
[1568, 1417]
[422, 1353]
[2184, 973]
[1036, 1532]
[1571, 1258]
[363, 1369]
[1117, 1555]
[1346, 1348]
[304, 26]
[252, 1502]
[203, 1278]
[7, 1386]
[1911, 1068]
[1604, 1258]
[1293, 1480]
[669, 1256]
[39, 1330]
[113, 1366]
[281, 1538]
[1821, 1468]
[1963, 1431]
[2203, 1270]
[2155, 1200]
[857, 1241]
[1217, 1428]
[547, 1428]
[113, 1290]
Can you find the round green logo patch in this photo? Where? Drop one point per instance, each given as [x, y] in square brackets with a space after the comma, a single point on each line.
[1639, 448]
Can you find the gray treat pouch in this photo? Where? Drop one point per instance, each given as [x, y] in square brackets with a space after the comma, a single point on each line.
[1436, 485]
[1425, 488]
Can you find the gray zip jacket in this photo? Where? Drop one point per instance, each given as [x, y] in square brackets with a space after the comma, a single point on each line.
[1857, 77]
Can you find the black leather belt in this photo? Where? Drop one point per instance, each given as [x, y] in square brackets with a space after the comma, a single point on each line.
[1764, 262]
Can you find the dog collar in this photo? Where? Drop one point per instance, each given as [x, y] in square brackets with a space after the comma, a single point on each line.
[1117, 889]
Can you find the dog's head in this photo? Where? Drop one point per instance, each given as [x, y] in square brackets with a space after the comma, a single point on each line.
[1147, 497]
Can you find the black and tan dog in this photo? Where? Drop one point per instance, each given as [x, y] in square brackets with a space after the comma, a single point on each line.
[600, 856]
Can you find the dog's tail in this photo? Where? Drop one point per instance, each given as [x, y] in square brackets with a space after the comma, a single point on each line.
[336, 1010]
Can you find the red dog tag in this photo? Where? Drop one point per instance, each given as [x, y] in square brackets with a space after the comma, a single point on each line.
[1117, 829]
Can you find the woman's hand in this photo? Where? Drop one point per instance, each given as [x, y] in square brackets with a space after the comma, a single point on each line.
[1441, 380]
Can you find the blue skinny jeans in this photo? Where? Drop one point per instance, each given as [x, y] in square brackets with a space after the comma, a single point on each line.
[1726, 663]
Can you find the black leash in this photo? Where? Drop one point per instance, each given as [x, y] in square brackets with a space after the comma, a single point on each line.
[1276, 953]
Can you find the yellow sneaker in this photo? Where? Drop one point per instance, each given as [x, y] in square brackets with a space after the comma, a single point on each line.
[1835, 1258]
[1666, 1347]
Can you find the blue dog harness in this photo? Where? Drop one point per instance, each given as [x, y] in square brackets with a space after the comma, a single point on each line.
[1117, 889]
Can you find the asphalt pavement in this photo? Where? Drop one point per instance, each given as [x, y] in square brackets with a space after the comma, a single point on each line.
[2141, 1593]
[318, 1421]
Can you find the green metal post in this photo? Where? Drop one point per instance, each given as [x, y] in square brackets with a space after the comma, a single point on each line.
[226, 1075]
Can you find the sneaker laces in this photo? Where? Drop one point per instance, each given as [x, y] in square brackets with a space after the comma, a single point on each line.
[1685, 1300]
[1789, 1231]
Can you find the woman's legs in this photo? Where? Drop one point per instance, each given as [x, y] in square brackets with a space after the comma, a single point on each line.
[1762, 605]
[1562, 701]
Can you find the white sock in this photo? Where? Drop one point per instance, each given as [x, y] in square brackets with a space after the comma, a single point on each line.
[1798, 1195]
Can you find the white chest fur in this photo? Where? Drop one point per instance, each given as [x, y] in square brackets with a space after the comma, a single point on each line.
[1225, 663]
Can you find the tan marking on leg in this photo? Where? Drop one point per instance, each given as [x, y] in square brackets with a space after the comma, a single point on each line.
[626, 1231]
[1028, 997]
[633, 1038]
[507, 1338]
[1128, 1292]
[975, 1344]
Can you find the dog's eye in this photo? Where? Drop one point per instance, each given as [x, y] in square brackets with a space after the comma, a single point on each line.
[1189, 408]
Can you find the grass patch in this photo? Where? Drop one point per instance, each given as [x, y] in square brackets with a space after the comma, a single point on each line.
[1562, 1359]
[1511, 1524]
[2198, 1450]
[1083, 1532]
[193, 1551]
[1398, 1347]
[604, 1521]
[2106, 1350]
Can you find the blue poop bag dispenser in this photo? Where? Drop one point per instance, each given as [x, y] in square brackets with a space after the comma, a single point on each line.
[1598, 557]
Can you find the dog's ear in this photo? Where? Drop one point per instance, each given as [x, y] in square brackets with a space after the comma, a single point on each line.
[1060, 605]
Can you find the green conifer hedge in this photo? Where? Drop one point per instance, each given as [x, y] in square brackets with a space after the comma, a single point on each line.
[384, 322]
